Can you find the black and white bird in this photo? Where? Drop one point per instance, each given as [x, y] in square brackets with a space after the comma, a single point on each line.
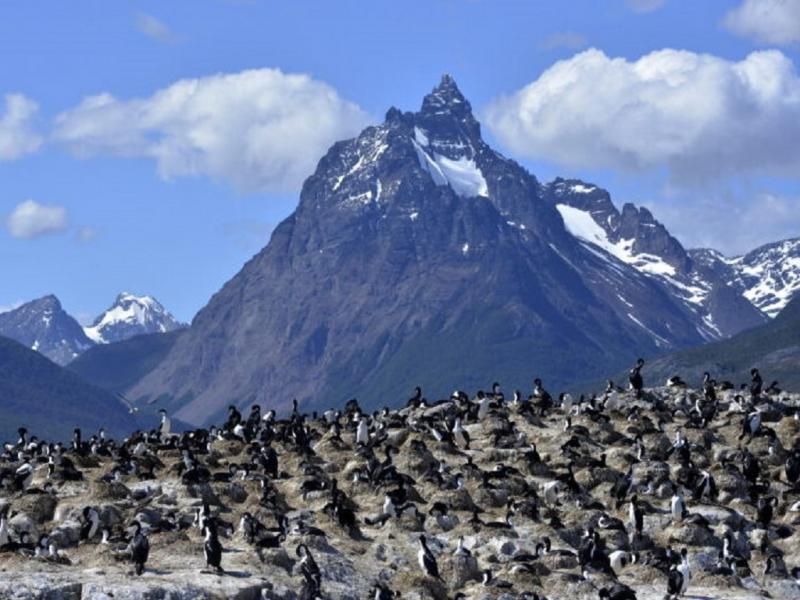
[635, 378]
[675, 583]
[139, 548]
[427, 561]
[636, 515]
[212, 548]
[751, 425]
[460, 435]
[91, 523]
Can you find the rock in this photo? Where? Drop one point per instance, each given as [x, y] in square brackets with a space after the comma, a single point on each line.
[114, 490]
[691, 535]
[274, 591]
[205, 492]
[39, 507]
[277, 557]
[236, 493]
[494, 498]
[457, 571]
[67, 533]
[23, 522]
[110, 515]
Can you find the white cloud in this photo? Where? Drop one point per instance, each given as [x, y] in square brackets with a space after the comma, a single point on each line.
[645, 6]
[563, 39]
[700, 116]
[152, 27]
[85, 234]
[259, 129]
[17, 134]
[31, 220]
[766, 21]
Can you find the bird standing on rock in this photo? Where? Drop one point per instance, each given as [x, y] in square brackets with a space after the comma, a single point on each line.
[139, 548]
[427, 561]
[635, 378]
[212, 549]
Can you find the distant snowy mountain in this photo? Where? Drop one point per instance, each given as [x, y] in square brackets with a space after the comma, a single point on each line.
[129, 316]
[768, 276]
[634, 238]
[44, 326]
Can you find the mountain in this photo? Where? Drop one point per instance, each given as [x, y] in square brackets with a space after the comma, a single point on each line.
[773, 347]
[129, 316]
[50, 401]
[768, 276]
[117, 366]
[44, 326]
[417, 252]
[633, 237]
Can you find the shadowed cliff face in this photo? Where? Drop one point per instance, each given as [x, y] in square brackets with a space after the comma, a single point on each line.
[418, 250]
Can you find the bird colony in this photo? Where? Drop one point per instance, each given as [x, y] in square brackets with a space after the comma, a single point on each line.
[643, 492]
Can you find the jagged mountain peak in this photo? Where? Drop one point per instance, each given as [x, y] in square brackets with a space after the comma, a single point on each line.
[769, 276]
[48, 301]
[44, 326]
[131, 315]
[414, 244]
[445, 97]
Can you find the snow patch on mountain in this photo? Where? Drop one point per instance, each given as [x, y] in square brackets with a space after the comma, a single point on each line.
[769, 275]
[131, 315]
[462, 174]
[582, 225]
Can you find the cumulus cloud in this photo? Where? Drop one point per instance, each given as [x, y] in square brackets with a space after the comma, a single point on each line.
[699, 116]
[766, 21]
[261, 130]
[152, 27]
[563, 39]
[31, 220]
[645, 6]
[17, 134]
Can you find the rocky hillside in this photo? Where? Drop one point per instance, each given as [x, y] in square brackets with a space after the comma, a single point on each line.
[540, 501]
[416, 248]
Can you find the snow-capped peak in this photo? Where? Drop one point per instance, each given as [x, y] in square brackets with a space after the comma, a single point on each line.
[769, 276]
[131, 315]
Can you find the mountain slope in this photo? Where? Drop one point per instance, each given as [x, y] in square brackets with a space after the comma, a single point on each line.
[633, 237]
[50, 401]
[416, 250]
[773, 347]
[129, 316]
[119, 365]
[44, 326]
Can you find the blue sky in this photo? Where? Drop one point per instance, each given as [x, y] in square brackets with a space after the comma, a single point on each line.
[114, 176]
